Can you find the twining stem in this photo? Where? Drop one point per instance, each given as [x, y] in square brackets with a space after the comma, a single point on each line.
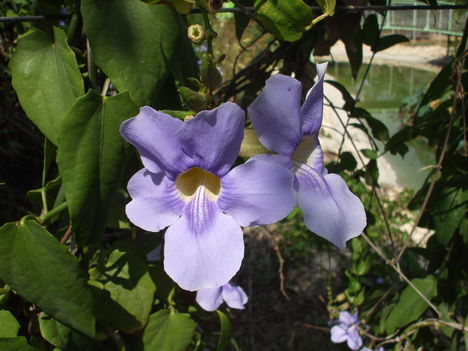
[316, 20]
[210, 33]
[52, 213]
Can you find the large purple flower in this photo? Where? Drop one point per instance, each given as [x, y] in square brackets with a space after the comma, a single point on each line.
[187, 185]
[331, 210]
[211, 299]
[347, 330]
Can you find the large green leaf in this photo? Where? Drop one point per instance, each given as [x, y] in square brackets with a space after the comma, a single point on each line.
[410, 306]
[41, 270]
[61, 336]
[449, 210]
[286, 19]
[9, 326]
[127, 279]
[91, 156]
[168, 331]
[133, 43]
[46, 78]
[15, 344]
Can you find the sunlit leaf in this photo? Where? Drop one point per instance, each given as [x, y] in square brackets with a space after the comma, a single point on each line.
[9, 326]
[168, 331]
[286, 19]
[46, 78]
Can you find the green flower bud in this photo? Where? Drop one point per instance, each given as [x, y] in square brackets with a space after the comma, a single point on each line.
[210, 75]
[194, 100]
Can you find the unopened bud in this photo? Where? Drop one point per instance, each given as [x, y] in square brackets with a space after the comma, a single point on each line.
[210, 76]
[194, 100]
[187, 118]
[215, 5]
[196, 33]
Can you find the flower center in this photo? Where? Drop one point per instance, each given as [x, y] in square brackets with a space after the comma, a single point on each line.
[196, 179]
[304, 152]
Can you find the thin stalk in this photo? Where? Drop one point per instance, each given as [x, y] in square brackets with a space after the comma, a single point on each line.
[52, 213]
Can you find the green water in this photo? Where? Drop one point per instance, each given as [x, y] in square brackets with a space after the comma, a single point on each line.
[383, 92]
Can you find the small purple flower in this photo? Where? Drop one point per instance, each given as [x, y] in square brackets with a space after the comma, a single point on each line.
[347, 330]
[187, 185]
[211, 299]
[331, 210]
[381, 348]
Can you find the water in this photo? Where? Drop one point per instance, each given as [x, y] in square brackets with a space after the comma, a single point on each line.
[383, 93]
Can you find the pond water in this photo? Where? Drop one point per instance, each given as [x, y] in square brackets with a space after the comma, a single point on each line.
[384, 91]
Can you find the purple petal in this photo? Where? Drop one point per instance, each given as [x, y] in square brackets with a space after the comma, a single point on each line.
[338, 334]
[347, 318]
[204, 248]
[213, 138]
[331, 210]
[154, 134]
[209, 299]
[354, 340]
[309, 152]
[156, 202]
[234, 296]
[260, 191]
[276, 114]
[312, 109]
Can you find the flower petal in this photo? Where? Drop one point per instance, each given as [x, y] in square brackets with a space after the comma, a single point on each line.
[234, 296]
[331, 210]
[310, 153]
[354, 340]
[213, 138]
[276, 114]
[312, 109]
[204, 248]
[156, 203]
[209, 299]
[347, 318]
[154, 134]
[338, 334]
[260, 191]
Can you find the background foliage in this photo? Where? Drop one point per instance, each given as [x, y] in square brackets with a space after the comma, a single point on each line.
[76, 275]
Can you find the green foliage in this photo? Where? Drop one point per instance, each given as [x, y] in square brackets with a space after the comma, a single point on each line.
[410, 306]
[286, 19]
[133, 43]
[46, 78]
[41, 270]
[168, 330]
[9, 326]
[92, 173]
[225, 333]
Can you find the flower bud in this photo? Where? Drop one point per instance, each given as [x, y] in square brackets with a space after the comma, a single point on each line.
[194, 100]
[215, 5]
[210, 75]
[196, 33]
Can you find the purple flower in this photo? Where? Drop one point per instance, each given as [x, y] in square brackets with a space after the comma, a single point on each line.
[211, 299]
[187, 185]
[347, 330]
[331, 210]
[381, 348]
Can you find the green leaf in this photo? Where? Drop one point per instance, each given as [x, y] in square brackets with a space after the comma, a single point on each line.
[251, 146]
[46, 78]
[411, 306]
[168, 331]
[327, 6]
[347, 97]
[91, 158]
[127, 279]
[132, 43]
[378, 129]
[370, 31]
[15, 344]
[388, 41]
[41, 270]
[286, 19]
[62, 336]
[225, 333]
[372, 154]
[9, 326]
[449, 210]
